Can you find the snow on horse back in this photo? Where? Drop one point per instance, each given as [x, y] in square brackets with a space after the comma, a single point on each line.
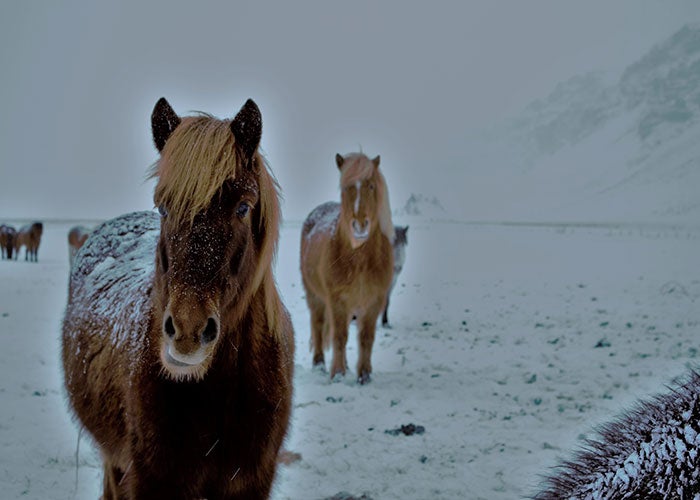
[653, 451]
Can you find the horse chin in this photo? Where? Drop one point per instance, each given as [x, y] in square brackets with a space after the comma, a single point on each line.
[358, 239]
[180, 368]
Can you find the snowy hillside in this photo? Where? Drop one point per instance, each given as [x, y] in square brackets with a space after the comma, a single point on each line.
[600, 148]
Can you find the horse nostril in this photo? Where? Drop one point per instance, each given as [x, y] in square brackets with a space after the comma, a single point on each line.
[210, 331]
[169, 327]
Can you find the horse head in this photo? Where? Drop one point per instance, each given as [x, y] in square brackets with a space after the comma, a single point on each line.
[363, 196]
[219, 212]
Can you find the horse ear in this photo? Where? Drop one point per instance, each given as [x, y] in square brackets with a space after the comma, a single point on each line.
[247, 128]
[339, 160]
[163, 121]
[375, 160]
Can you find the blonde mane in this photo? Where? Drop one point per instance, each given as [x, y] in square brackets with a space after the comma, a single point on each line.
[357, 167]
[197, 159]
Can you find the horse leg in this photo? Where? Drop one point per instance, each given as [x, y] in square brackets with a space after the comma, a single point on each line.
[340, 322]
[113, 478]
[385, 315]
[317, 309]
[365, 338]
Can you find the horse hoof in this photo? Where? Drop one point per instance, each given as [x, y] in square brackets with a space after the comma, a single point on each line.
[364, 378]
[338, 377]
[319, 367]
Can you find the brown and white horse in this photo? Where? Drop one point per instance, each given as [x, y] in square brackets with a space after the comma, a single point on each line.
[347, 263]
[177, 350]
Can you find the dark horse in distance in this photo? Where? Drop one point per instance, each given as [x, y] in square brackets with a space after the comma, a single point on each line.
[7, 240]
[29, 237]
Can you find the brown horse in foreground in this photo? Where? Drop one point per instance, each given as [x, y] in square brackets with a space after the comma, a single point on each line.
[7, 240]
[30, 237]
[347, 263]
[76, 239]
[177, 350]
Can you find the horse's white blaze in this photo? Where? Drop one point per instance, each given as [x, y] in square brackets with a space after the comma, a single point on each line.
[358, 185]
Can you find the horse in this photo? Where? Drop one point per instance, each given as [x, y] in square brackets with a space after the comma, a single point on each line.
[177, 351]
[347, 263]
[8, 234]
[77, 235]
[29, 236]
[399, 246]
[652, 451]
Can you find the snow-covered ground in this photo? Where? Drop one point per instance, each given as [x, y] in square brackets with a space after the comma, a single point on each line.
[508, 344]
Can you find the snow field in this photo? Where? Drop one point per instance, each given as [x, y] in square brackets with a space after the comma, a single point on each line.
[508, 344]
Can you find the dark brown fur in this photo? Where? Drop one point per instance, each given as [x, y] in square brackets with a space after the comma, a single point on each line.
[345, 277]
[7, 240]
[29, 237]
[177, 350]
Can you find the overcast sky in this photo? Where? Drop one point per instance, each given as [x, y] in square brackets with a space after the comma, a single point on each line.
[407, 80]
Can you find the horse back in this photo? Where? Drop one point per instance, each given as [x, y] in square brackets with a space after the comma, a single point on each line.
[107, 319]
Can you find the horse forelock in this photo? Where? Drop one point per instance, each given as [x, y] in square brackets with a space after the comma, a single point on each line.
[358, 167]
[197, 159]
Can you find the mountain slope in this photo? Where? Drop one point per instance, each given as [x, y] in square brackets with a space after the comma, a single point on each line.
[626, 150]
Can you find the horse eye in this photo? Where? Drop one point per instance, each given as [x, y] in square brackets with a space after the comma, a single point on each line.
[371, 186]
[162, 211]
[242, 210]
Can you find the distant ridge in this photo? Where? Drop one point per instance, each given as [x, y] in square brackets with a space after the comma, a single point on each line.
[598, 148]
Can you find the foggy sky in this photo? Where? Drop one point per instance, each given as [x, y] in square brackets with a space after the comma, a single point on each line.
[406, 80]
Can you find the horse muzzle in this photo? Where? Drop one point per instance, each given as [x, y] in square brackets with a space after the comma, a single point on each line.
[360, 231]
[187, 343]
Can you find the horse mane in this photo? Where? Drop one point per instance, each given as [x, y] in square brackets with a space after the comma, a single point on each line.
[357, 167]
[268, 226]
[198, 157]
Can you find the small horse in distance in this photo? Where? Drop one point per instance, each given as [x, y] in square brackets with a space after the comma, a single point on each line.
[177, 350]
[7, 240]
[77, 235]
[30, 237]
[651, 452]
[347, 263]
[399, 246]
